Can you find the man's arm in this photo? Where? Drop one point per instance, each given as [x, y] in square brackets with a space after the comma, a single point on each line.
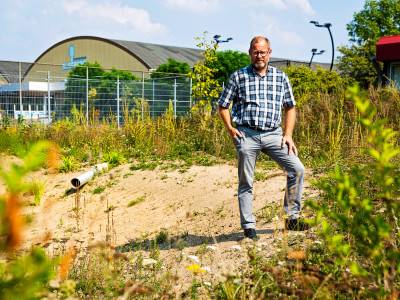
[226, 118]
[290, 120]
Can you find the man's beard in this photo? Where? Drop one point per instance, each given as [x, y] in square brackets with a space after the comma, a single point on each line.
[259, 65]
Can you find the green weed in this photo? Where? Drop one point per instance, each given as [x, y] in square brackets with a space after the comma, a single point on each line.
[136, 201]
[99, 190]
[114, 158]
[68, 164]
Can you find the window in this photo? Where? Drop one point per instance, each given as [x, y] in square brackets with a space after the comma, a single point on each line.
[395, 73]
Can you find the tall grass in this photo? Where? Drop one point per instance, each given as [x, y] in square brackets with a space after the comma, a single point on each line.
[327, 132]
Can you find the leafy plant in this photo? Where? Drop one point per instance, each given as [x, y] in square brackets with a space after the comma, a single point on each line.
[68, 164]
[205, 87]
[114, 158]
[23, 276]
[37, 189]
[359, 216]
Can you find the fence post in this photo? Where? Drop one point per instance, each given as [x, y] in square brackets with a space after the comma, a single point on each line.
[190, 95]
[87, 95]
[118, 101]
[20, 87]
[175, 97]
[152, 102]
[142, 95]
[48, 98]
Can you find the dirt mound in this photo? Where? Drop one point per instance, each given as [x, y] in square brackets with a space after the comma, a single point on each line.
[195, 209]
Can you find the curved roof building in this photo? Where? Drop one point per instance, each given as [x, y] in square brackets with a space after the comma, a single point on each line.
[109, 53]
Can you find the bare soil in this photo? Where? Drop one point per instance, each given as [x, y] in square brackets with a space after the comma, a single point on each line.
[197, 207]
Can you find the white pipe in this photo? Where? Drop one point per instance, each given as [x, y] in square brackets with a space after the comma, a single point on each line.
[80, 180]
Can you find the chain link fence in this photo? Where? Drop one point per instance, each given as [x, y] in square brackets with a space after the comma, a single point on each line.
[46, 97]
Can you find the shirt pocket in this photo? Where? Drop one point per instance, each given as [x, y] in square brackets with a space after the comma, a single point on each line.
[248, 95]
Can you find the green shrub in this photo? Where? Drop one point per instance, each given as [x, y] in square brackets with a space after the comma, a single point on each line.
[114, 158]
[22, 275]
[68, 164]
[359, 214]
[307, 82]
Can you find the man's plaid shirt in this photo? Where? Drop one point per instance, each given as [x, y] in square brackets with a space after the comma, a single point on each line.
[257, 101]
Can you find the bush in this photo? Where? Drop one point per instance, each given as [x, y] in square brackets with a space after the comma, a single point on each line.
[359, 214]
[307, 82]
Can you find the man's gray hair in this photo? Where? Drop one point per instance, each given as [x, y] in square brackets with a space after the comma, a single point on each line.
[257, 39]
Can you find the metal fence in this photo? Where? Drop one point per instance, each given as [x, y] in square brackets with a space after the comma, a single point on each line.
[46, 97]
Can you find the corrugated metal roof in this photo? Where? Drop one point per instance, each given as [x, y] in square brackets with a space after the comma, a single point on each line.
[10, 70]
[388, 48]
[154, 55]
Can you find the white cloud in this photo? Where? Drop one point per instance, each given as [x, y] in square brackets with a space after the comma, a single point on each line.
[135, 18]
[276, 32]
[197, 6]
[302, 5]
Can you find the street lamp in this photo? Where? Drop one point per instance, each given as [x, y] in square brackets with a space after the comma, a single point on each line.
[314, 52]
[218, 41]
[328, 26]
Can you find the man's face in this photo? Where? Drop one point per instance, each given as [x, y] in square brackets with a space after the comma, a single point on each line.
[259, 54]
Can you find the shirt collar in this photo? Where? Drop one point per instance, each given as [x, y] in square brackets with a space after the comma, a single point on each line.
[253, 72]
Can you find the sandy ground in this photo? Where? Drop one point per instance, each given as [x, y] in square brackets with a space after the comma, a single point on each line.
[197, 205]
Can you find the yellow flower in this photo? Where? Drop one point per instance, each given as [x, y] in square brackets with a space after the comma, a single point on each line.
[195, 268]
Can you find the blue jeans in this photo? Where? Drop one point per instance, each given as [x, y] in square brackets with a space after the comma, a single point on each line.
[248, 147]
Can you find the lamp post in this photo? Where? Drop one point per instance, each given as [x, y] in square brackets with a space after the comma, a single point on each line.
[328, 26]
[314, 52]
[218, 41]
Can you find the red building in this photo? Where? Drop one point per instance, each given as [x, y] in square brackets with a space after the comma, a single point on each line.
[388, 52]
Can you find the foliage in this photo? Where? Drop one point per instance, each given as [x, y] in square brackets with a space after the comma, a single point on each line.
[307, 82]
[171, 66]
[101, 85]
[356, 63]
[68, 164]
[22, 276]
[26, 276]
[326, 133]
[359, 215]
[114, 158]
[205, 87]
[228, 62]
[377, 18]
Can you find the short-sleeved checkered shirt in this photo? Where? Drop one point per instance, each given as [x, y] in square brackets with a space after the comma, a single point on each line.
[257, 100]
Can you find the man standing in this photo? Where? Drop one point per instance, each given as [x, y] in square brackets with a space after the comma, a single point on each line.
[259, 92]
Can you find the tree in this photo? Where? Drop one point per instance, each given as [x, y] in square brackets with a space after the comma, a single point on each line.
[205, 87]
[227, 62]
[377, 18]
[171, 66]
[102, 87]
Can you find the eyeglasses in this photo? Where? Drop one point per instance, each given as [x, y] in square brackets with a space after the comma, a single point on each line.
[261, 53]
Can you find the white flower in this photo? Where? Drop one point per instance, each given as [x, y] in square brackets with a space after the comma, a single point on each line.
[236, 248]
[207, 269]
[149, 262]
[212, 248]
[194, 258]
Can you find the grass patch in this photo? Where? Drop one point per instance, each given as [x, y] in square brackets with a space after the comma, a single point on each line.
[136, 201]
[151, 165]
[268, 212]
[99, 190]
[68, 164]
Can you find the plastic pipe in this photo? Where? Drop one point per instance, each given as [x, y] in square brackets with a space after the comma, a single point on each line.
[83, 178]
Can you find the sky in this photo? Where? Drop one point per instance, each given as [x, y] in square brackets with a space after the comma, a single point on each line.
[29, 27]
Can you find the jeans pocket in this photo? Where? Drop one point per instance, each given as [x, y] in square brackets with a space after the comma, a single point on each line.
[238, 139]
